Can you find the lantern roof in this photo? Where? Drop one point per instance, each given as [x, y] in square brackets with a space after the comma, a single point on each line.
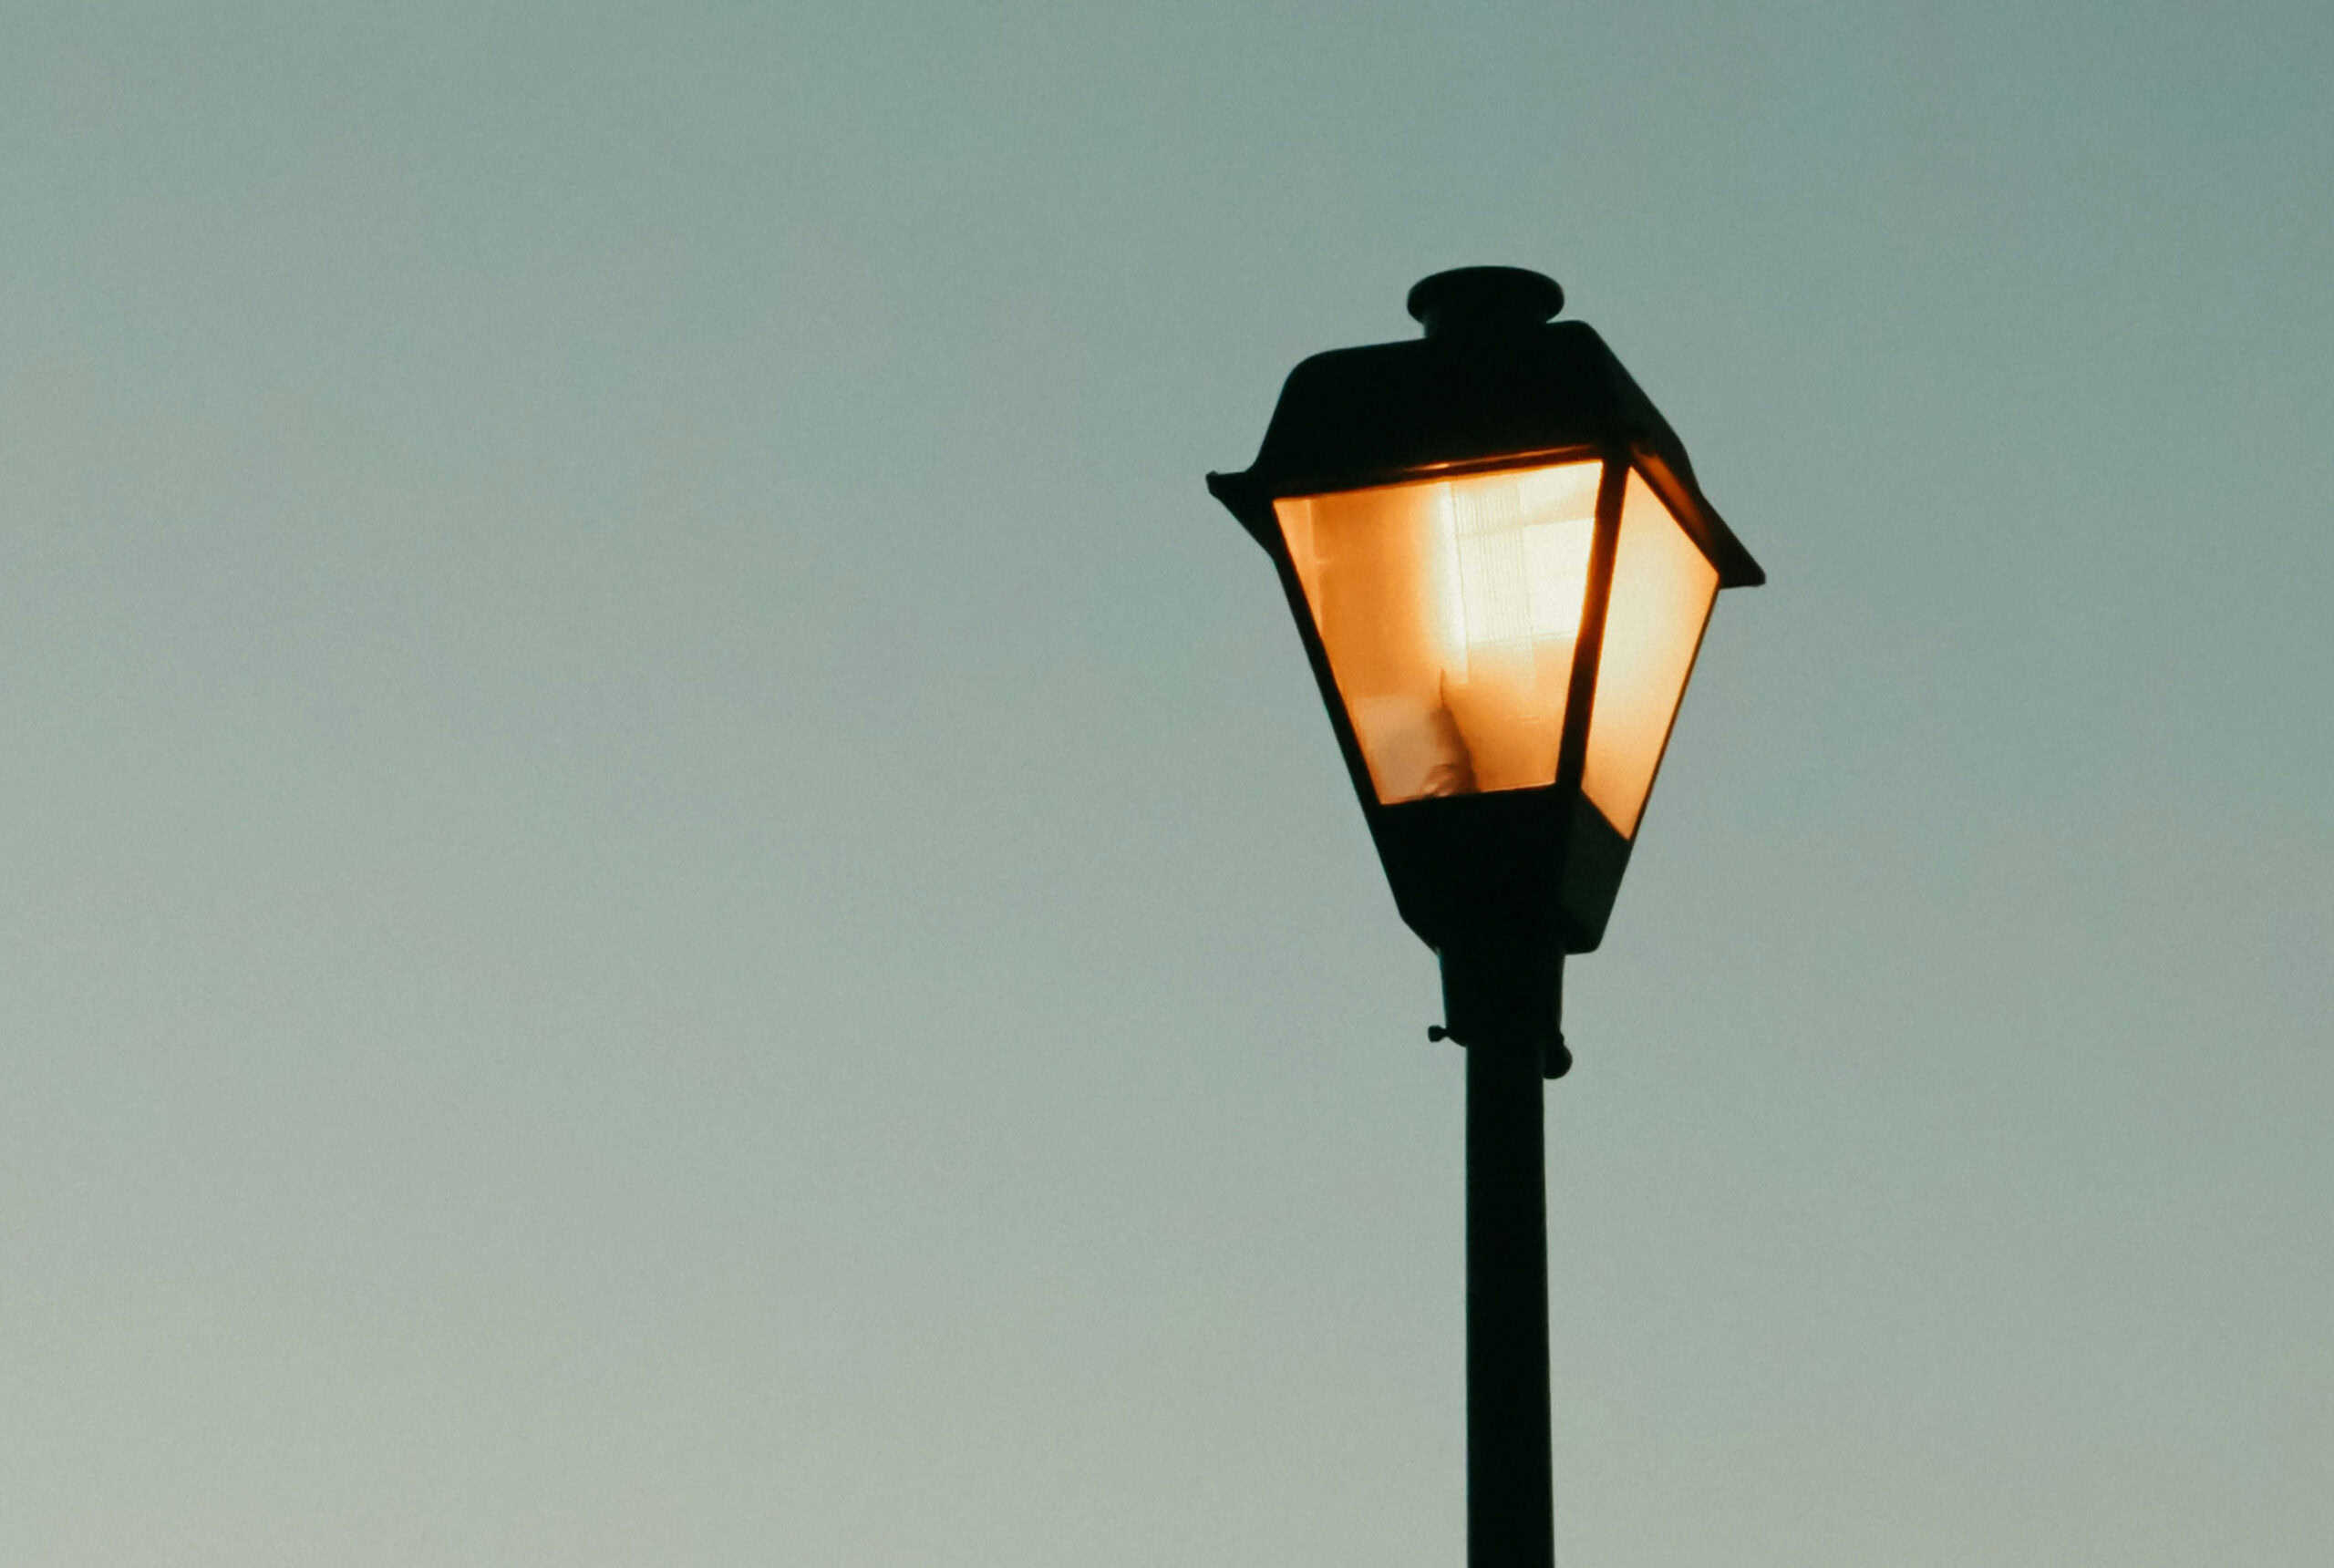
[1494, 383]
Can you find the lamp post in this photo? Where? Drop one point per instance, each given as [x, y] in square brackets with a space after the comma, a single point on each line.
[1501, 565]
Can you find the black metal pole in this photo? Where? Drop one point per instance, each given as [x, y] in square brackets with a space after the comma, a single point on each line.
[1510, 1518]
[1504, 1000]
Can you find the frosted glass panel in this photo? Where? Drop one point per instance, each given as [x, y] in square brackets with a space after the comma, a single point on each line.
[1662, 590]
[1448, 609]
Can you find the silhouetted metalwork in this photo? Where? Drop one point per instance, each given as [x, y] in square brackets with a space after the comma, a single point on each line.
[1492, 532]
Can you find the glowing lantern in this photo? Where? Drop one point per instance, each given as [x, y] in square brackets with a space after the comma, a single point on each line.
[1501, 565]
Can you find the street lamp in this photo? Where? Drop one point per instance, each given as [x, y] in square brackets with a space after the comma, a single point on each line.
[1501, 565]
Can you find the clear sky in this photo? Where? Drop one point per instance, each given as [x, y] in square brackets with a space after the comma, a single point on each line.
[673, 895]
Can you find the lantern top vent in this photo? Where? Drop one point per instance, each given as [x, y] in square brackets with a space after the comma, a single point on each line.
[1471, 300]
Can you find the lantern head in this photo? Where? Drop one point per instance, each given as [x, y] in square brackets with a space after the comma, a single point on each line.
[1501, 565]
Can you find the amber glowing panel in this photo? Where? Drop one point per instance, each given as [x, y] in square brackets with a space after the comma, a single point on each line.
[1448, 609]
[1662, 590]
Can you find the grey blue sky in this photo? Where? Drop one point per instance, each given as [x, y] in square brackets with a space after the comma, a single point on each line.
[672, 895]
